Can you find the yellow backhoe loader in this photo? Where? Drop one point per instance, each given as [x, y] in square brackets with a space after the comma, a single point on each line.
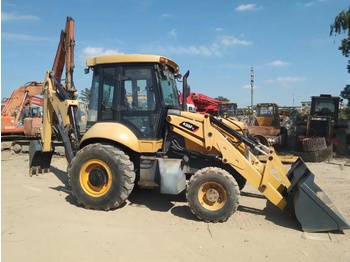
[138, 134]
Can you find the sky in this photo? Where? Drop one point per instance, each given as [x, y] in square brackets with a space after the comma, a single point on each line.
[287, 44]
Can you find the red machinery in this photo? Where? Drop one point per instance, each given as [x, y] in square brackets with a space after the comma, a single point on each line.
[205, 104]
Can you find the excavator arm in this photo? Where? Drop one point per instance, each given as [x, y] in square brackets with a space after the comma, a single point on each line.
[22, 96]
[60, 107]
[65, 57]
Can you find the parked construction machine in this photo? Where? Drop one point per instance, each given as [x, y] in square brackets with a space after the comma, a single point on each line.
[21, 115]
[138, 134]
[197, 102]
[322, 132]
[227, 110]
[21, 112]
[267, 128]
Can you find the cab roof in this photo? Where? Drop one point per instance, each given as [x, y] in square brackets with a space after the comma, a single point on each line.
[131, 58]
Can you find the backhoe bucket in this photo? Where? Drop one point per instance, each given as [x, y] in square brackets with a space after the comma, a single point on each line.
[312, 207]
[39, 161]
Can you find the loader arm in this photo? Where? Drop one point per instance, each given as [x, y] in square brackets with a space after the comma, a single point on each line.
[292, 191]
[214, 134]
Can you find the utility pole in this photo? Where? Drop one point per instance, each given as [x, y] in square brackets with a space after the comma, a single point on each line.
[251, 89]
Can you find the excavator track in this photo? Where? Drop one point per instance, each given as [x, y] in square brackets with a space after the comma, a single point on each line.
[21, 146]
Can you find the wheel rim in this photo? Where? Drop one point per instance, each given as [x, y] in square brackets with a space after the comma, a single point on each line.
[212, 196]
[95, 178]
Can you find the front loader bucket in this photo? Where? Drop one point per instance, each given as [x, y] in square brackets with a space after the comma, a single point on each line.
[39, 161]
[312, 207]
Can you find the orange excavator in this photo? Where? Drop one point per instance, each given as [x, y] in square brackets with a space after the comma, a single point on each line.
[18, 107]
[19, 119]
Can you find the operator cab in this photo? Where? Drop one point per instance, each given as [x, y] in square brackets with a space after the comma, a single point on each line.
[325, 106]
[226, 110]
[267, 110]
[134, 90]
[267, 114]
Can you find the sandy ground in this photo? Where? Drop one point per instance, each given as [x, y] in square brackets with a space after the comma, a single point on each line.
[41, 221]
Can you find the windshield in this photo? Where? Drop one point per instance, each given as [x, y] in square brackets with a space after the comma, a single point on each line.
[227, 110]
[266, 111]
[324, 107]
[169, 90]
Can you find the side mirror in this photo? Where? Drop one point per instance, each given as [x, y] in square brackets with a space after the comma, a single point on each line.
[178, 76]
[86, 70]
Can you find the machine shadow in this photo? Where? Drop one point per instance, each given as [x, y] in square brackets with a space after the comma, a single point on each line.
[61, 175]
[278, 217]
[64, 178]
[248, 194]
[271, 213]
[177, 204]
[152, 199]
[155, 201]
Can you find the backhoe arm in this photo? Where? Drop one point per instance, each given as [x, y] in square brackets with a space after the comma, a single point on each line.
[65, 57]
[56, 101]
[58, 115]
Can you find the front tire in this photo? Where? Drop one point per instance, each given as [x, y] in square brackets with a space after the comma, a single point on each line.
[212, 194]
[101, 176]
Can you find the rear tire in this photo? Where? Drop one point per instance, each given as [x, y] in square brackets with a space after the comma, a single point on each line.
[101, 176]
[212, 194]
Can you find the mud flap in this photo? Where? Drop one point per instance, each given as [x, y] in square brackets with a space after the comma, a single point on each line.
[39, 162]
[312, 207]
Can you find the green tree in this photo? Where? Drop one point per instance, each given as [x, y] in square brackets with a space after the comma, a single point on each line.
[341, 25]
[346, 93]
[221, 98]
[85, 95]
[345, 113]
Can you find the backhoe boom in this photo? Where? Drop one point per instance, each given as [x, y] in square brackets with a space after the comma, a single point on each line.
[58, 115]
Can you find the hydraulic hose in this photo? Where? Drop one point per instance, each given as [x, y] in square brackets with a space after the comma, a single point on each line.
[246, 140]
